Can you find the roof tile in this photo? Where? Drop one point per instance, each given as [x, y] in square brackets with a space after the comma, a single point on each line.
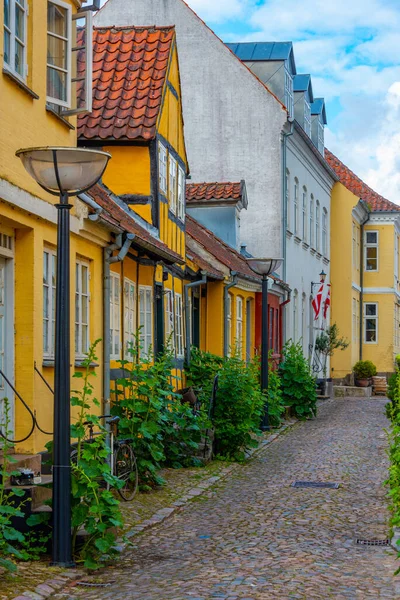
[129, 71]
[213, 191]
[354, 184]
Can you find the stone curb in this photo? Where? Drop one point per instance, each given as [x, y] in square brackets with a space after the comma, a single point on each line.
[50, 587]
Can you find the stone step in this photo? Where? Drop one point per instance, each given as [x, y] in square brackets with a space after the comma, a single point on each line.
[38, 494]
[24, 461]
[343, 391]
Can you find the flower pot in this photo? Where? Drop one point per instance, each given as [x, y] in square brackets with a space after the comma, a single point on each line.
[362, 382]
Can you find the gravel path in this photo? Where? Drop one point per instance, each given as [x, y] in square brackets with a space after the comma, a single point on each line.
[255, 537]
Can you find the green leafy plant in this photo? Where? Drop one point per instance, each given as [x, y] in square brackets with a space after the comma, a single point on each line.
[393, 481]
[11, 503]
[328, 342]
[200, 375]
[364, 369]
[297, 381]
[95, 510]
[276, 406]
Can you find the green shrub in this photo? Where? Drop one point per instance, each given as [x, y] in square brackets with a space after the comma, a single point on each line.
[364, 369]
[298, 384]
[200, 375]
[276, 405]
[394, 454]
[392, 382]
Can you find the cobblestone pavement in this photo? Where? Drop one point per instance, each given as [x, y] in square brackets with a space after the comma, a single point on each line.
[255, 537]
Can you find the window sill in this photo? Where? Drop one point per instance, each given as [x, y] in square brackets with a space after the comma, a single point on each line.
[319, 256]
[289, 234]
[313, 251]
[326, 261]
[306, 246]
[20, 84]
[297, 239]
[79, 362]
[59, 117]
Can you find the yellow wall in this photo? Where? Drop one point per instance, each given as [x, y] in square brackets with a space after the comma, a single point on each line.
[129, 171]
[384, 277]
[382, 353]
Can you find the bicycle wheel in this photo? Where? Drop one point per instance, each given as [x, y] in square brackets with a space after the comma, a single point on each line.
[125, 468]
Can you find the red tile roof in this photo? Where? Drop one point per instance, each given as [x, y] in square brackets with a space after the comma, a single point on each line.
[117, 216]
[219, 249]
[213, 191]
[354, 184]
[129, 71]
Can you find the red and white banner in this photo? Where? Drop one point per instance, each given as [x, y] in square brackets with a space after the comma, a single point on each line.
[327, 302]
[322, 301]
[317, 302]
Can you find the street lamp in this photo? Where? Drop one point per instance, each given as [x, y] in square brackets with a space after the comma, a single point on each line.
[322, 279]
[63, 172]
[264, 267]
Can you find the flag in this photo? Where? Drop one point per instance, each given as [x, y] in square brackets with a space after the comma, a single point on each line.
[327, 302]
[317, 302]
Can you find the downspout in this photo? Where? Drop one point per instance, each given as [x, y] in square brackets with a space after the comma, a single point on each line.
[226, 303]
[188, 287]
[285, 137]
[362, 285]
[108, 259]
[282, 312]
[98, 210]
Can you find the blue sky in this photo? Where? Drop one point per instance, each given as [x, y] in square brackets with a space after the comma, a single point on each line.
[351, 48]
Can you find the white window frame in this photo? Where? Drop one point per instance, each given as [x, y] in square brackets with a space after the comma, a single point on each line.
[82, 349]
[239, 323]
[321, 137]
[146, 335]
[14, 40]
[317, 231]
[181, 194]
[173, 183]
[179, 345]
[169, 312]
[129, 316]
[304, 214]
[324, 232]
[312, 203]
[288, 208]
[368, 245]
[115, 316]
[49, 323]
[296, 206]
[371, 318]
[162, 168]
[303, 317]
[289, 96]
[307, 117]
[68, 70]
[295, 317]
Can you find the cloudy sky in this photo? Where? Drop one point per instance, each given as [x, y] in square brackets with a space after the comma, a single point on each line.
[352, 50]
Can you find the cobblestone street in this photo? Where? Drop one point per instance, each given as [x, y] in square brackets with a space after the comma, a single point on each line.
[256, 537]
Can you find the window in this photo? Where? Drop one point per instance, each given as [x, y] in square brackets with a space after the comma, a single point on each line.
[146, 318]
[296, 206]
[129, 317]
[179, 326]
[317, 217]
[49, 302]
[371, 323]
[229, 324]
[169, 320]
[289, 93]
[172, 184]
[181, 194]
[371, 250]
[239, 323]
[307, 117]
[15, 26]
[303, 318]
[115, 316]
[312, 220]
[354, 245]
[295, 320]
[321, 137]
[82, 298]
[288, 219]
[162, 168]
[59, 26]
[325, 232]
[304, 205]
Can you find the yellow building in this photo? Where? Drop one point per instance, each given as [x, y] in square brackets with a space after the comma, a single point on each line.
[38, 108]
[365, 229]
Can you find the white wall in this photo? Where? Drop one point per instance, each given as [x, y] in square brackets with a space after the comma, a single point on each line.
[232, 123]
[304, 263]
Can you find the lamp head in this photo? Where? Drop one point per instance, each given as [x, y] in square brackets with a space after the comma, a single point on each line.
[322, 276]
[264, 266]
[68, 171]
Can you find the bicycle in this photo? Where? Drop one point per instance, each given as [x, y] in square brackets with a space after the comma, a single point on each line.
[122, 458]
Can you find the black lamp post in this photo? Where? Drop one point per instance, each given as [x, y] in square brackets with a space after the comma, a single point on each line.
[63, 172]
[264, 267]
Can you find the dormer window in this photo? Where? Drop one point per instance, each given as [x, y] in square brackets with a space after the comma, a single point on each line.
[307, 117]
[289, 102]
[321, 137]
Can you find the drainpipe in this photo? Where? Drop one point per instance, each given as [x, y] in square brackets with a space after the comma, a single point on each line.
[362, 284]
[282, 312]
[108, 259]
[285, 137]
[226, 304]
[96, 207]
[188, 287]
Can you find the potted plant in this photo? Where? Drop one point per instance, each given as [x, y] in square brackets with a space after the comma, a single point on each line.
[363, 371]
[325, 344]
